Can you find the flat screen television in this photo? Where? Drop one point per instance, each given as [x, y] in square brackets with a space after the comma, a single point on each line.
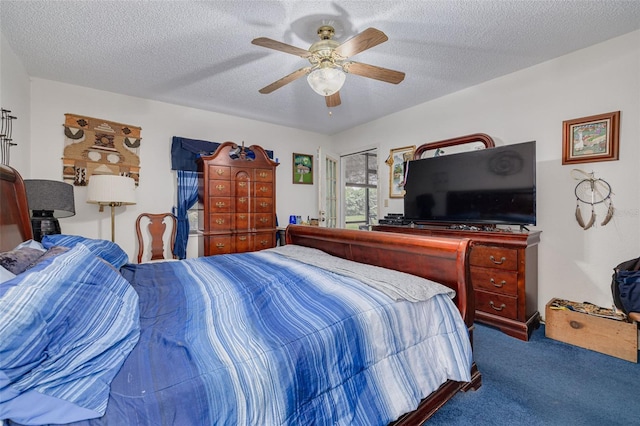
[492, 186]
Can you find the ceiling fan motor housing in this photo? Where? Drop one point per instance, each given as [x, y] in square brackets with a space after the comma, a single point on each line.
[323, 51]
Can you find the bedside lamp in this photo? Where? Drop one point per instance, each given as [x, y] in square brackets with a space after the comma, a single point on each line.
[113, 191]
[48, 200]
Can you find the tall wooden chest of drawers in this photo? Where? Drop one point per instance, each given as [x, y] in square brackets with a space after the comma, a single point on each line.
[504, 274]
[237, 188]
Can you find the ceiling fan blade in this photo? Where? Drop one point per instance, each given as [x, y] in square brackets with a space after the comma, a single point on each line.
[285, 80]
[371, 71]
[282, 47]
[333, 100]
[360, 42]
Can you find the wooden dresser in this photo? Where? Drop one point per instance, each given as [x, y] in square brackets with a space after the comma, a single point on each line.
[237, 190]
[504, 275]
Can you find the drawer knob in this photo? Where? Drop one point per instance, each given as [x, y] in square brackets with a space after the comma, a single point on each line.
[220, 172]
[497, 262]
[263, 174]
[220, 245]
[575, 325]
[242, 184]
[219, 221]
[220, 204]
[242, 238]
[263, 189]
[242, 200]
[496, 307]
[498, 285]
[220, 187]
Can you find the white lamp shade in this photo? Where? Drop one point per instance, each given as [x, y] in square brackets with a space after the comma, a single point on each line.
[106, 189]
[326, 81]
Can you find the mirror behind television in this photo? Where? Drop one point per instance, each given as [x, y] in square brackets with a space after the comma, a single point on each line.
[486, 187]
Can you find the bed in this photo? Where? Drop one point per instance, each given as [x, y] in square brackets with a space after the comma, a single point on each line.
[301, 334]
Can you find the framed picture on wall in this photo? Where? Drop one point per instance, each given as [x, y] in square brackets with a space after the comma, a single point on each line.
[396, 161]
[591, 139]
[303, 168]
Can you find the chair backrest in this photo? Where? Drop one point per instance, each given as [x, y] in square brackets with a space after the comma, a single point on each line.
[156, 236]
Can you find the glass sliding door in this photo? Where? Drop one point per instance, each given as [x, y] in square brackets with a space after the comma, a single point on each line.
[360, 189]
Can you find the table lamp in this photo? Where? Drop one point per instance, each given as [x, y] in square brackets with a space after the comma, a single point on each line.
[48, 200]
[113, 191]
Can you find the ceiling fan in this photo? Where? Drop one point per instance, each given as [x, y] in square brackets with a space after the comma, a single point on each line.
[329, 62]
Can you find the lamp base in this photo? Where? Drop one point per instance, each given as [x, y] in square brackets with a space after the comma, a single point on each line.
[43, 223]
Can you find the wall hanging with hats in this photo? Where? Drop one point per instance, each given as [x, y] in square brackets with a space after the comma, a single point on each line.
[97, 146]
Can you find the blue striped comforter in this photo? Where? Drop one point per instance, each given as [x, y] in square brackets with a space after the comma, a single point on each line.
[260, 339]
[66, 327]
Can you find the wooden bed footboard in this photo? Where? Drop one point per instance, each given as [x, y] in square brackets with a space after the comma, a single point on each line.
[443, 260]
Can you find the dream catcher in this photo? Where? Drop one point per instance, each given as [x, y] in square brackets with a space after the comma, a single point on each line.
[592, 192]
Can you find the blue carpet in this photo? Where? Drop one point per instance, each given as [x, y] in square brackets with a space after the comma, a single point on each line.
[544, 382]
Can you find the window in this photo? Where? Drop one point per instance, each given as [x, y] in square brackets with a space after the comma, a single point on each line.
[361, 189]
[330, 195]
[195, 214]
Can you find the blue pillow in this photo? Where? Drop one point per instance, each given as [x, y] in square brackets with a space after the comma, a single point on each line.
[109, 251]
[68, 325]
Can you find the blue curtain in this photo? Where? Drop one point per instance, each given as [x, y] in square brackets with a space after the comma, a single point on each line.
[184, 153]
[187, 197]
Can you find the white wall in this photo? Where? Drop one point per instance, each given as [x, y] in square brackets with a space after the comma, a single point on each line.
[531, 105]
[14, 96]
[160, 122]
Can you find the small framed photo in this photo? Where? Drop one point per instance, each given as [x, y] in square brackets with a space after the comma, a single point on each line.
[303, 168]
[396, 161]
[591, 139]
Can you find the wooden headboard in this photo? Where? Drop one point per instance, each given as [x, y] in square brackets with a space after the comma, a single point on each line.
[15, 222]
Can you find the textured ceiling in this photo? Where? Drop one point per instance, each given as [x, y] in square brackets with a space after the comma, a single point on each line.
[199, 53]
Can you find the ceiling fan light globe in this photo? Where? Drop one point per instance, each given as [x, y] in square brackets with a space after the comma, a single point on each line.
[326, 81]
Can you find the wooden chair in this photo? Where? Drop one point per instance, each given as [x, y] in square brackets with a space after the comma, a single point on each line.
[156, 236]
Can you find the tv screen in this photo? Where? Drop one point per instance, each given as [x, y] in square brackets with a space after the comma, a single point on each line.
[486, 186]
